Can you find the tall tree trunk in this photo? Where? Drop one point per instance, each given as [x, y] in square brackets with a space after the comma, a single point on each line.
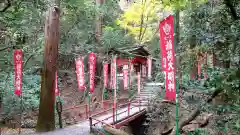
[46, 118]
[193, 43]
[193, 72]
[98, 29]
[98, 33]
[100, 55]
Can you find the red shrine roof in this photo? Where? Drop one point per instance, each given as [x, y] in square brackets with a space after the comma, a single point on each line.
[139, 54]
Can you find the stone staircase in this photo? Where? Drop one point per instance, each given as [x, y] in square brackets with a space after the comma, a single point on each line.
[148, 92]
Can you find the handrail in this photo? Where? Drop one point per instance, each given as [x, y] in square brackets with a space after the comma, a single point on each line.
[78, 106]
[126, 110]
[101, 112]
[117, 114]
[111, 108]
[101, 121]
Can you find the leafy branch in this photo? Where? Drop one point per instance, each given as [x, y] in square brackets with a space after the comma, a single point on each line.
[7, 5]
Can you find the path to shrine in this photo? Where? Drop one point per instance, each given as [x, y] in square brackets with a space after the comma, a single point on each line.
[83, 128]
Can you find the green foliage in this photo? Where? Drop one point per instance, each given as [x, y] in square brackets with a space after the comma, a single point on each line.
[29, 99]
[228, 80]
[115, 38]
[141, 19]
[213, 26]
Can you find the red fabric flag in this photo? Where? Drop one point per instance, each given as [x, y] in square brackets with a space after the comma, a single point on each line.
[56, 85]
[168, 55]
[80, 72]
[149, 62]
[105, 73]
[18, 65]
[130, 74]
[144, 71]
[125, 77]
[114, 80]
[114, 73]
[92, 69]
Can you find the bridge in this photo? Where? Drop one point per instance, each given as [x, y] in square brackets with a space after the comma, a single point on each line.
[124, 113]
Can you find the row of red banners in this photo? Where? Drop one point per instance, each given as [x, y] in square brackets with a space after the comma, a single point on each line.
[80, 73]
[168, 66]
[18, 68]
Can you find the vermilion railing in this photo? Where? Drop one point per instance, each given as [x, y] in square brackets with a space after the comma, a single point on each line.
[89, 109]
[129, 107]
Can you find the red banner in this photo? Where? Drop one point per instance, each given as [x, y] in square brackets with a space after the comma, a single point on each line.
[80, 72]
[56, 85]
[130, 74]
[125, 77]
[168, 55]
[111, 77]
[113, 73]
[144, 71]
[18, 65]
[105, 73]
[149, 62]
[114, 80]
[92, 70]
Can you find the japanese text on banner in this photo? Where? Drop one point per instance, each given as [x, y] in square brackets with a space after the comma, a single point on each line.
[105, 73]
[149, 62]
[92, 69]
[56, 85]
[168, 59]
[18, 72]
[125, 76]
[80, 72]
[114, 74]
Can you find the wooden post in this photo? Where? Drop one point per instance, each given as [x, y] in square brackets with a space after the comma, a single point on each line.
[99, 20]
[86, 110]
[90, 124]
[46, 117]
[113, 115]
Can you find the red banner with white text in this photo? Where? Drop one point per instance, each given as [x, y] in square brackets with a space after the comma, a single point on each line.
[92, 69]
[114, 73]
[125, 77]
[114, 79]
[130, 74]
[149, 63]
[80, 72]
[56, 85]
[105, 73]
[18, 65]
[168, 55]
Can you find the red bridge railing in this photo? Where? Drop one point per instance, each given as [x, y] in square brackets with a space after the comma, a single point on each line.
[114, 114]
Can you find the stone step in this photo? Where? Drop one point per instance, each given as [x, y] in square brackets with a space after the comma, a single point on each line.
[147, 92]
[141, 98]
[154, 84]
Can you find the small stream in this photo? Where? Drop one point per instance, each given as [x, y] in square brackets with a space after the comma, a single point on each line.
[137, 126]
